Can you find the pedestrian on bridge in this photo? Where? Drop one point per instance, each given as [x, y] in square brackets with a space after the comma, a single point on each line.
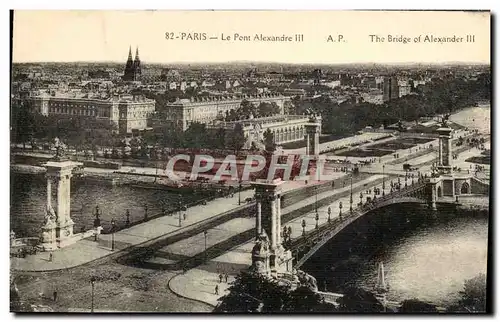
[216, 289]
[220, 277]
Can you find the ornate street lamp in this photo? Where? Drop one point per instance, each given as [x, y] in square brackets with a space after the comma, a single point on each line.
[92, 283]
[180, 213]
[383, 179]
[145, 212]
[317, 219]
[127, 214]
[97, 222]
[205, 235]
[329, 214]
[113, 227]
[316, 203]
[303, 227]
[239, 193]
[350, 201]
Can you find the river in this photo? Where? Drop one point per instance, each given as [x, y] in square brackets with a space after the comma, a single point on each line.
[475, 118]
[426, 257]
[28, 198]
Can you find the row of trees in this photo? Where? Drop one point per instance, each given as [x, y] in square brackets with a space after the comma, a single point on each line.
[254, 293]
[439, 96]
[82, 133]
[197, 136]
[248, 109]
[89, 133]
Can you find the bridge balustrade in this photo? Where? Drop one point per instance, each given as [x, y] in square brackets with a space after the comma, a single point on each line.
[324, 228]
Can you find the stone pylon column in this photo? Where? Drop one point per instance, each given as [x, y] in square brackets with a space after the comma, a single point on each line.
[278, 219]
[258, 218]
[274, 222]
[59, 219]
[444, 162]
[313, 130]
[433, 186]
[49, 192]
[267, 195]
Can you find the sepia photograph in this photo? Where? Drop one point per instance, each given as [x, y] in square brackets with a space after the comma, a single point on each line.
[210, 161]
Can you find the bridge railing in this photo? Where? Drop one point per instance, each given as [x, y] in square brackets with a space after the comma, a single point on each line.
[356, 212]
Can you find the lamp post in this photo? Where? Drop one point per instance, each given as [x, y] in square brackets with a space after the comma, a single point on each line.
[340, 210]
[113, 227]
[92, 283]
[205, 234]
[239, 193]
[329, 214]
[383, 179]
[317, 219]
[350, 199]
[361, 198]
[97, 222]
[145, 212]
[406, 179]
[127, 214]
[303, 227]
[316, 203]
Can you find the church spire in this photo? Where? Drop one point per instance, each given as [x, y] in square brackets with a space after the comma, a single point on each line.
[137, 53]
[129, 53]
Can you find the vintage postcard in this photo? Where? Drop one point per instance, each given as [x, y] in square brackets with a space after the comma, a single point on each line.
[250, 161]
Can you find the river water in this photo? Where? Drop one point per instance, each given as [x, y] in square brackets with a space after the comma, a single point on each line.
[426, 257]
[28, 198]
[475, 118]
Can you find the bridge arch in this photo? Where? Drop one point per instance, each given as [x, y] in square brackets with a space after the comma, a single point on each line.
[322, 236]
[465, 189]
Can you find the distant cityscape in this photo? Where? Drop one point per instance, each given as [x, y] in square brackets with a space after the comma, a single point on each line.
[140, 97]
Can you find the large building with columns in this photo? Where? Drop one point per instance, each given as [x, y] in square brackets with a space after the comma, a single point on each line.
[183, 112]
[127, 112]
[285, 128]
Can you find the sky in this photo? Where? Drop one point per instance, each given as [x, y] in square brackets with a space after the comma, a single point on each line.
[66, 36]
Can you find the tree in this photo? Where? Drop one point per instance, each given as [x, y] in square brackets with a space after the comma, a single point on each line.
[246, 109]
[238, 138]
[416, 306]
[473, 296]
[269, 141]
[252, 292]
[196, 136]
[220, 139]
[359, 300]
[23, 123]
[268, 109]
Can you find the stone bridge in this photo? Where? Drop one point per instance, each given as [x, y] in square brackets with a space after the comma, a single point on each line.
[305, 246]
[422, 191]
